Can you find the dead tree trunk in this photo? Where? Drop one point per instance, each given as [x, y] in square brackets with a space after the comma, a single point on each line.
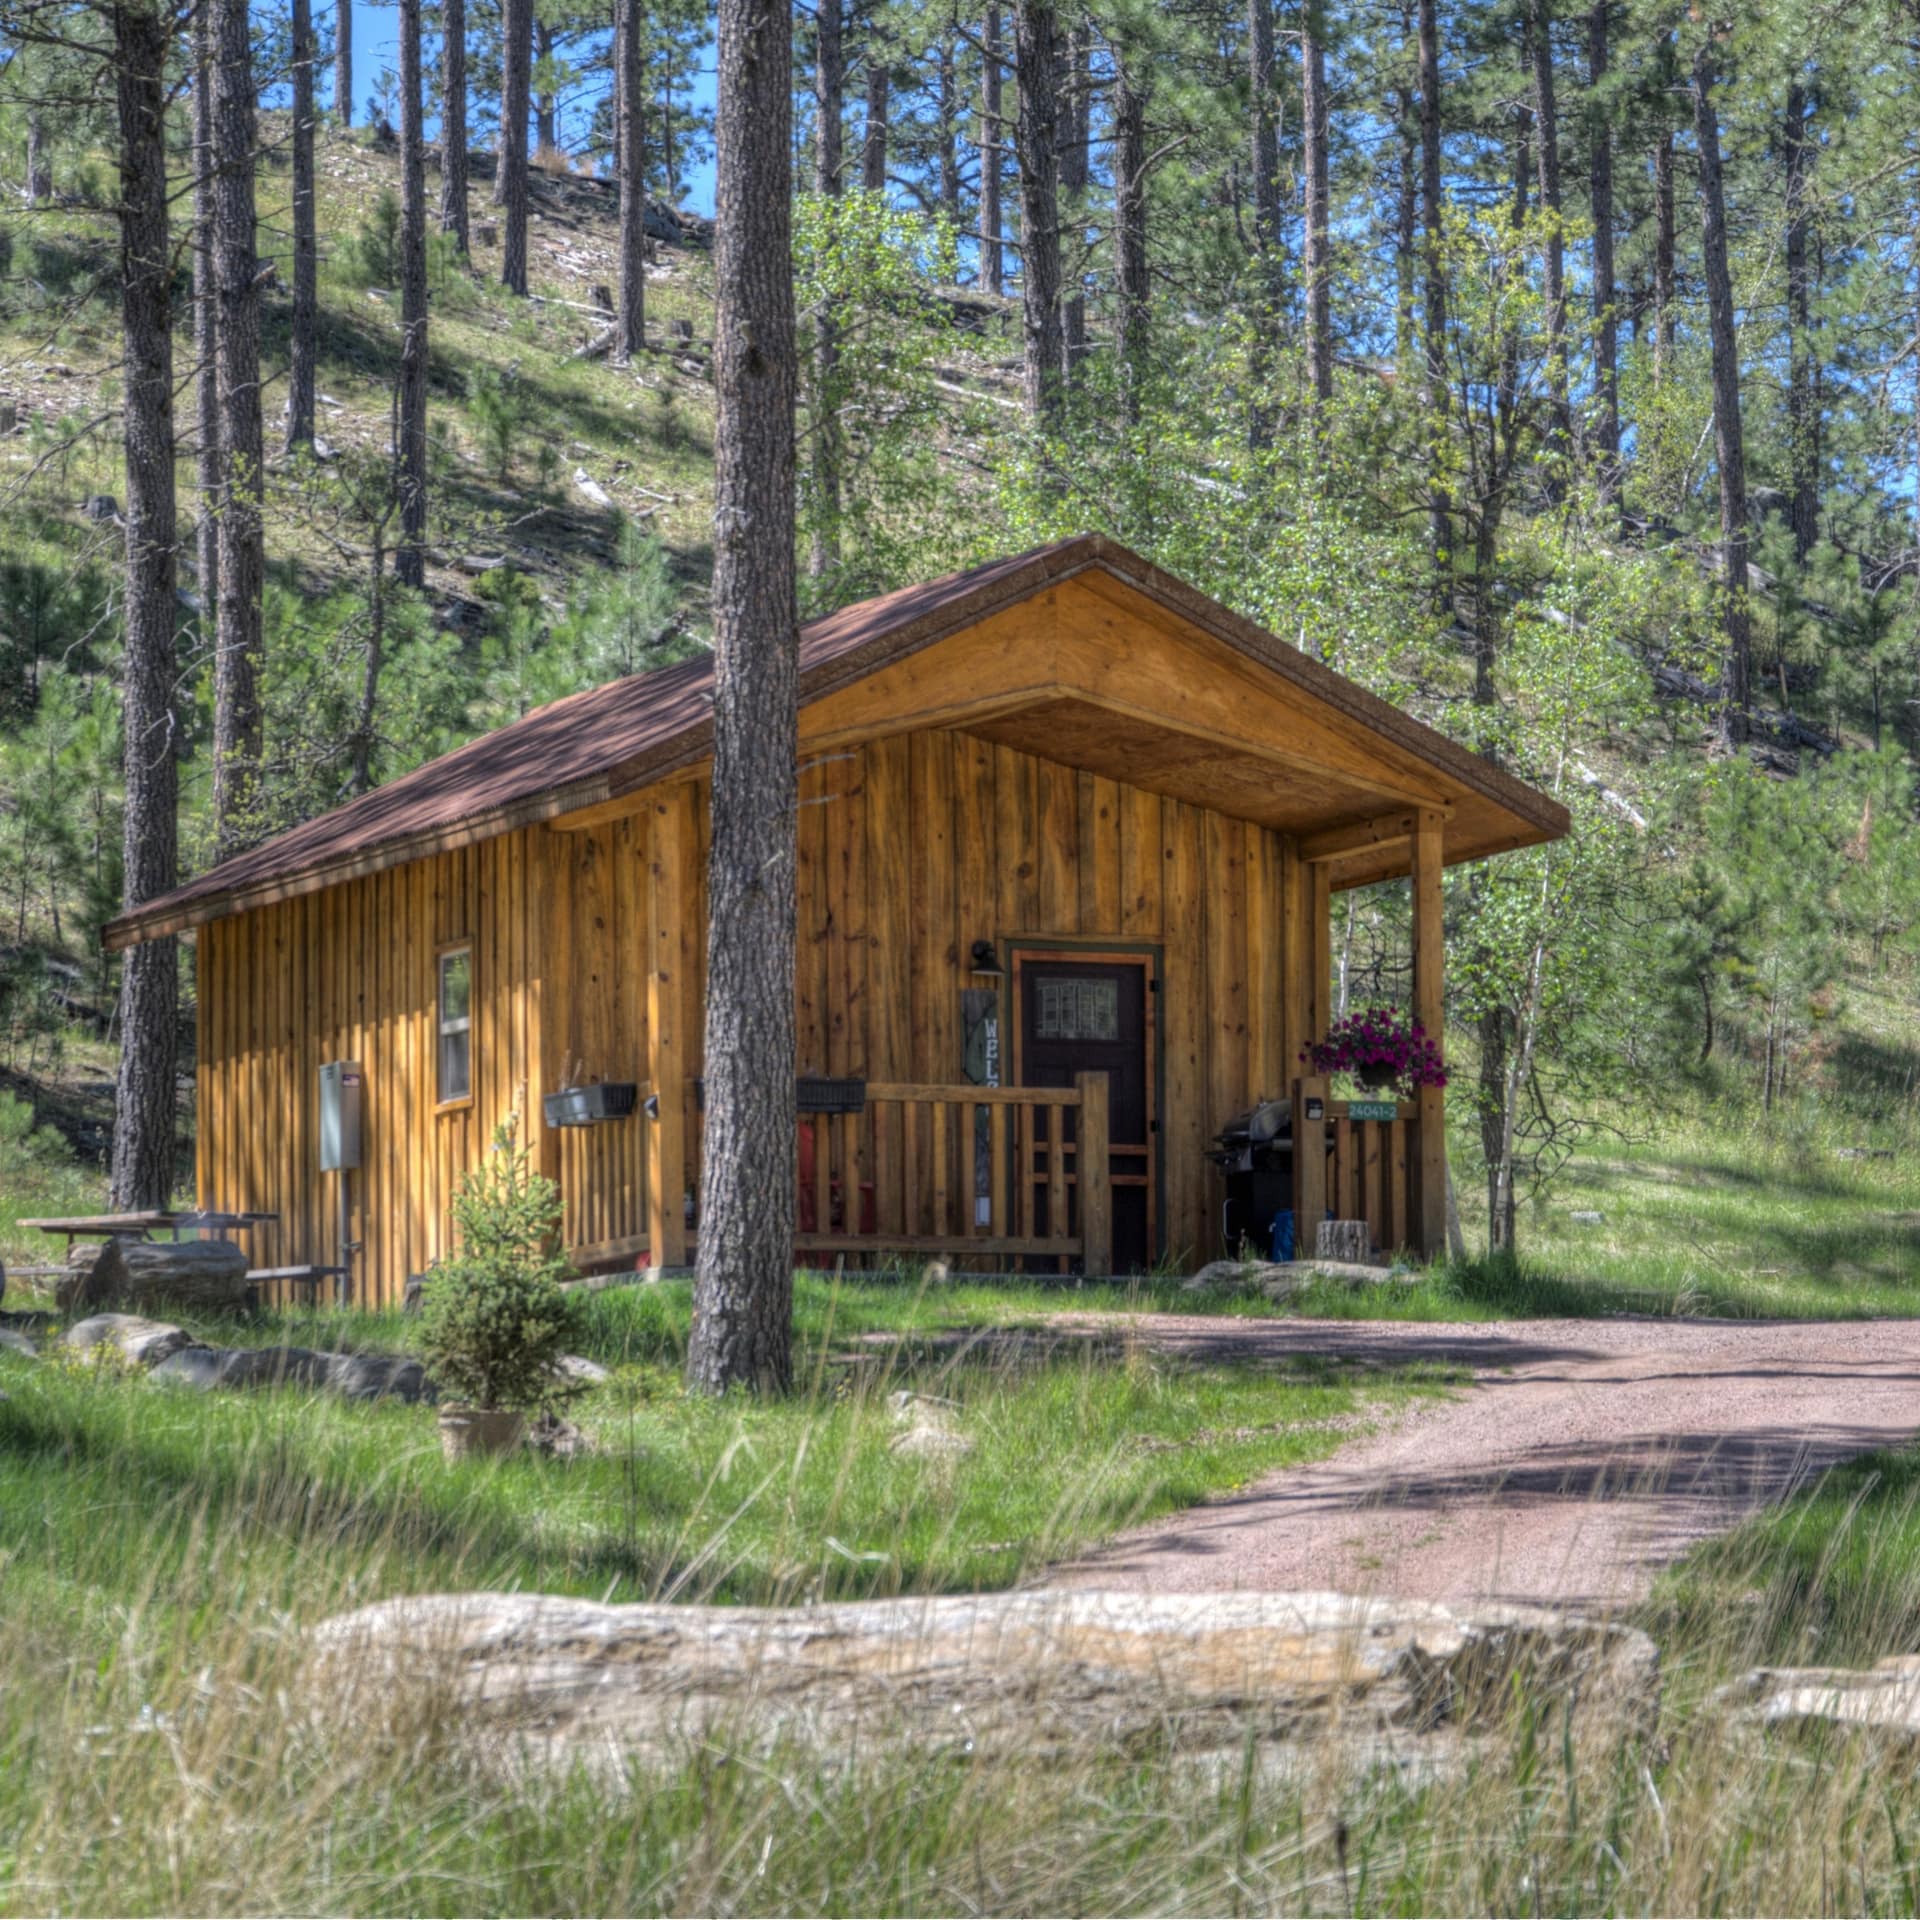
[410, 451]
[630, 331]
[236, 707]
[1319, 251]
[453, 124]
[1606, 328]
[304, 332]
[992, 259]
[510, 188]
[1036, 59]
[343, 63]
[149, 983]
[743, 1290]
[1803, 415]
[1729, 446]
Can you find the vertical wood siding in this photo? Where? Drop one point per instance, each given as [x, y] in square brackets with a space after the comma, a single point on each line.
[910, 849]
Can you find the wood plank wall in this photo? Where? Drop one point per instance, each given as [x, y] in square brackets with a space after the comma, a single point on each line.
[910, 849]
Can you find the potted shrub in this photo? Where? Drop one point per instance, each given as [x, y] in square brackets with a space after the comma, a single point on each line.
[1380, 1048]
[493, 1318]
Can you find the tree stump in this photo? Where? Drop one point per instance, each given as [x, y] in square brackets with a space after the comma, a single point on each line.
[135, 1274]
[1347, 1240]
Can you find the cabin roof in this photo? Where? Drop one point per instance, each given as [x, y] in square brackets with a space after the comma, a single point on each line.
[591, 749]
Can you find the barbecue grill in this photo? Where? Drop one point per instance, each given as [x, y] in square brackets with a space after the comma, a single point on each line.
[1254, 1150]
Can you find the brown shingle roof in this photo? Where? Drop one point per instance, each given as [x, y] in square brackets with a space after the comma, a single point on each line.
[614, 739]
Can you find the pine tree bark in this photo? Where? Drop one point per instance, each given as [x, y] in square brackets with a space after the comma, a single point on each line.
[1036, 59]
[454, 217]
[143, 1131]
[1803, 420]
[410, 462]
[1606, 326]
[873, 144]
[39, 172]
[1319, 250]
[1075, 173]
[1729, 445]
[949, 155]
[743, 1288]
[1406, 227]
[1130, 227]
[992, 258]
[1546, 115]
[630, 330]
[206, 338]
[343, 63]
[546, 130]
[236, 268]
[1434, 395]
[305, 325]
[830, 86]
[510, 184]
[1663, 246]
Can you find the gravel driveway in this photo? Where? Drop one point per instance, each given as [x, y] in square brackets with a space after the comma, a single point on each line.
[1585, 1455]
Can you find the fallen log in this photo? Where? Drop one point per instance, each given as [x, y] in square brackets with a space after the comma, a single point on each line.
[556, 1679]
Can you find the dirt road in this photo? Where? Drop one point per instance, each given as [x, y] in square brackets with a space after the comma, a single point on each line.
[1585, 1455]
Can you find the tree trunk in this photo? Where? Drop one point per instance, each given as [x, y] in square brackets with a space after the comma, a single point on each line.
[1406, 222]
[1729, 447]
[1546, 116]
[143, 1127]
[236, 707]
[372, 662]
[743, 1290]
[1075, 173]
[410, 463]
[830, 84]
[453, 124]
[1663, 231]
[1606, 329]
[1803, 420]
[510, 183]
[1130, 228]
[1319, 256]
[1036, 59]
[630, 332]
[39, 173]
[306, 301]
[949, 143]
[873, 146]
[1434, 395]
[992, 259]
[343, 63]
[546, 132]
[1265, 157]
[206, 337]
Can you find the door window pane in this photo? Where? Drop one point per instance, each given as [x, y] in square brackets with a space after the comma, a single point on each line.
[1078, 1010]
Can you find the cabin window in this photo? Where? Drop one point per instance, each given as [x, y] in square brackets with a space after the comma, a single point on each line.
[456, 1025]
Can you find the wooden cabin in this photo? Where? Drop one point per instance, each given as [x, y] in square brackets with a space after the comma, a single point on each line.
[1067, 841]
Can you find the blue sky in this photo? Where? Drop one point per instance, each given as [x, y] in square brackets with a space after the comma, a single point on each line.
[376, 44]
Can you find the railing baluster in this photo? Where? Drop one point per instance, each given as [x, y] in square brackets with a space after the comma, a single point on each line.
[940, 1223]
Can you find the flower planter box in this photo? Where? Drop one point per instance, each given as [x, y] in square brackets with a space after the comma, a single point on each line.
[590, 1106]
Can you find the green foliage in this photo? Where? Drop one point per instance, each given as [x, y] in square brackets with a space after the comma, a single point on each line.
[497, 406]
[370, 255]
[494, 1317]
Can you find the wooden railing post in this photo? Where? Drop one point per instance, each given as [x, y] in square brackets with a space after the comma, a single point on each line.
[1429, 1008]
[669, 858]
[1093, 1167]
[1309, 1162]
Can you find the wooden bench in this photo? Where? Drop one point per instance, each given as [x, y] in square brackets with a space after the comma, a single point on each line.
[310, 1277]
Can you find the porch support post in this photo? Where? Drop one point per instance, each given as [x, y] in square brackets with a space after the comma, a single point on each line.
[1093, 1169]
[1429, 963]
[670, 853]
[1320, 938]
[1296, 997]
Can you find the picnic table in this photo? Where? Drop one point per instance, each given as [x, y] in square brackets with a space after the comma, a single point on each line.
[146, 1225]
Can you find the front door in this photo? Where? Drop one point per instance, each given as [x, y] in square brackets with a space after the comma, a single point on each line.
[1090, 1012]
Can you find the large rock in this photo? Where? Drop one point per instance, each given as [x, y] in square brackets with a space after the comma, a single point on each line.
[210, 1275]
[378, 1376]
[1883, 1699]
[11, 1342]
[204, 1368]
[145, 1342]
[561, 1679]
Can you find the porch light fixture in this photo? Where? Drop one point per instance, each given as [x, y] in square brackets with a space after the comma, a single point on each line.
[986, 962]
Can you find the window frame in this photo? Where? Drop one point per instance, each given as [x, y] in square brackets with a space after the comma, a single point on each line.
[446, 951]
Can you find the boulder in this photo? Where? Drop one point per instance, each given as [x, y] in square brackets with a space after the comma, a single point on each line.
[576, 1370]
[11, 1342]
[145, 1342]
[1883, 1699]
[557, 1679]
[204, 1368]
[121, 1274]
[378, 1376]
[1282, 1279]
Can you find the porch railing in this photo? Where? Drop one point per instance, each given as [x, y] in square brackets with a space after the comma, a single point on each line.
[1368, 1167]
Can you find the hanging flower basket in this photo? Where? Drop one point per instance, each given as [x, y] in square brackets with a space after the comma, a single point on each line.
[1379, 1047]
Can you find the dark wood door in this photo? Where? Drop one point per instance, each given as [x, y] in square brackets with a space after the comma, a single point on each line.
[1093, 1013]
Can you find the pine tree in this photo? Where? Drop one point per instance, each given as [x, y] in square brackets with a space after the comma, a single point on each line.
[454, 216]
[410, 451]
[303, 331]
